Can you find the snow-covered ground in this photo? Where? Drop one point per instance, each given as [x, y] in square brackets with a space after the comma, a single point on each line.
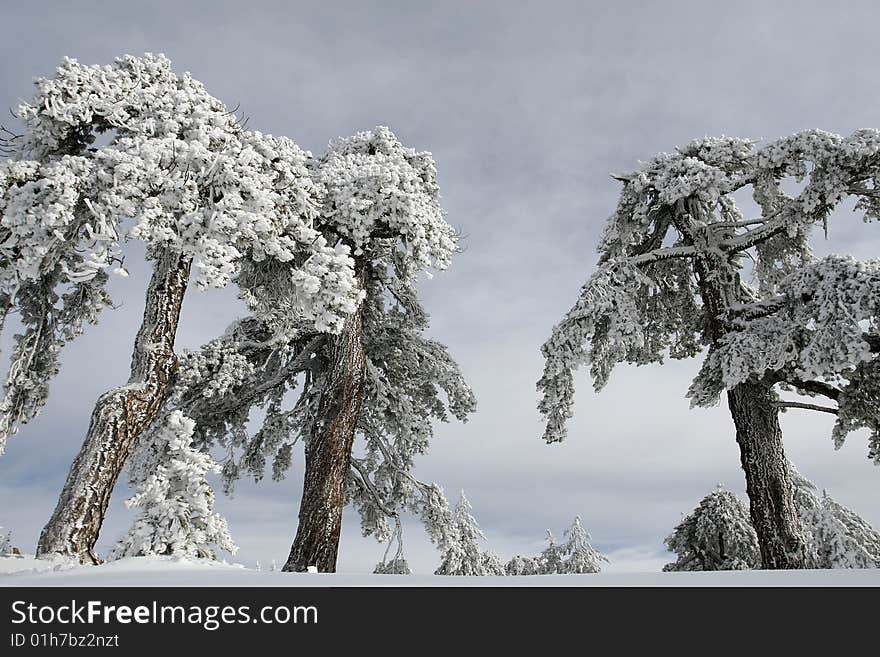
[159, 571]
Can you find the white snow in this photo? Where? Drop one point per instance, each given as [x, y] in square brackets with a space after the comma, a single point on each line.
[166, 571]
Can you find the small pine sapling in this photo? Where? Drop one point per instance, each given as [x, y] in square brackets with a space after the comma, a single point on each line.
[176, 502]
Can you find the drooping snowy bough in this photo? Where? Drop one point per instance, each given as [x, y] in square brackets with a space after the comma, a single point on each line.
[670, 282]
[134, 151]
[368, 396]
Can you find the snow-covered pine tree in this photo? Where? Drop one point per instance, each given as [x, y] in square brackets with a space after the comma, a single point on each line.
[551, 559]
[178, 172]
[381, 198]
[398, 566]
[578, 555]
[492, 564]
[5, 543]
[836, 536]
[463, 554]
[176, 502]
[670, 282]
[520, 565]
[717, 535]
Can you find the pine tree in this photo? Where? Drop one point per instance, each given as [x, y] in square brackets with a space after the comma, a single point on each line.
[836, 536]
[5, 543]
[579, 555]
[520, 565]
[395, 382]
[717, 535]
[463, 554]
[672, 280]
[176, 502]
[551, 559]
[393, 567]
[492, 564]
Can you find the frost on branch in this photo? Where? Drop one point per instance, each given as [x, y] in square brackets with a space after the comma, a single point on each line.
[819, 329]
[176, 502]
[177, 171]
[677, 235]
[823, 327]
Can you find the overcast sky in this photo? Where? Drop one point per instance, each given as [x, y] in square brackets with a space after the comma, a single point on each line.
[527, 108]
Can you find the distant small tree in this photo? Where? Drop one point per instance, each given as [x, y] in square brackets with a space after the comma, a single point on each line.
[573, 557]
[578, 555]
[177, 514]
[550, 561]
[5, 543]
[393, 567]
[717, 535]
[462, 554]
[492, 564]
[520, 565]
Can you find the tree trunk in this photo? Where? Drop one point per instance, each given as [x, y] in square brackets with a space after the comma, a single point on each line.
[758, 433]
[328, 452]
[771, 499]
[119, 416]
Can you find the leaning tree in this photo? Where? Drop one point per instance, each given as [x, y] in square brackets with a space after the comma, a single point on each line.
[682, 270]
[365, 399]
[134, 151]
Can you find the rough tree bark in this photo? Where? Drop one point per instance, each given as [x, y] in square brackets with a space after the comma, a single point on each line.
[119, 416]
[768, 483]
[328, 452]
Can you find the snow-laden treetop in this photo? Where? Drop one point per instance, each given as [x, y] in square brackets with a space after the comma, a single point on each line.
[669, 276]
[177, 171]
[377, 188]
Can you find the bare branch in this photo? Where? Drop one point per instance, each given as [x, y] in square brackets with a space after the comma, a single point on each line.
[809, 407]
[816, 387]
